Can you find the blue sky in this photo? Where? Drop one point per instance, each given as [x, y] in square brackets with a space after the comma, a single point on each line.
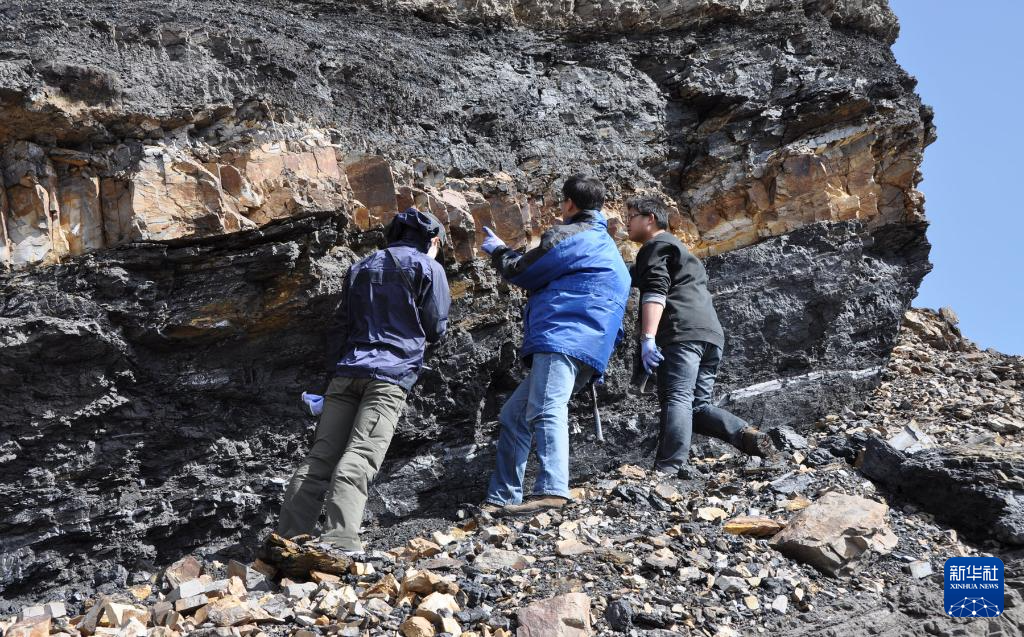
[968, 63]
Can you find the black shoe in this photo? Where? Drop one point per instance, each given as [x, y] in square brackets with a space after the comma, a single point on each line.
[757, 443]
[688, 472]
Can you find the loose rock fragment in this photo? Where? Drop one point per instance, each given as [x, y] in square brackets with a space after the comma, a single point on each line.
[418, 627]
[38, 626]
[662, 559]
[561, 616]
[119, 614]
[496, 559]
[298, 560]
[423, 548]
[496, 535]
[252, 579]
[190, 603]
[632, 472]
[756, 527]
[187, 568]
[572, 547]
[711, 514]
[619, 615]
[432, 604]
[836, 530]
[920, 569]
[780, 604]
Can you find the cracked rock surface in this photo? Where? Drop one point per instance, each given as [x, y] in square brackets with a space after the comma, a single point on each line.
[185, 183]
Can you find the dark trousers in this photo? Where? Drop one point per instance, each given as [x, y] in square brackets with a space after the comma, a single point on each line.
[686, 382]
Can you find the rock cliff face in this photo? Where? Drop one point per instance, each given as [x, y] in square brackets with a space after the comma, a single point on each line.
[185, 183]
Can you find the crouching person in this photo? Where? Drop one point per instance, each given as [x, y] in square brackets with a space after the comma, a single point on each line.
[394, 303]
[682, 342]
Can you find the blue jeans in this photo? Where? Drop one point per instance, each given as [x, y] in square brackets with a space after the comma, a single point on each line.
[686, 383]
[537, 412]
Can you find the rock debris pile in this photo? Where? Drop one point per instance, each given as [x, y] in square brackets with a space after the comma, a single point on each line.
[802, 544]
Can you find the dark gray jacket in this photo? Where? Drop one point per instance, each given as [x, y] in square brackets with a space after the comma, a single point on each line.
[665, 271]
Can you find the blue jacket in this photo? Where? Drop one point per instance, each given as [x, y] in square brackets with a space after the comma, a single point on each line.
[386, 320]
[578, 285]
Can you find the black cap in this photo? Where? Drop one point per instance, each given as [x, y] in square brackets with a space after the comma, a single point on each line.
[422, 222]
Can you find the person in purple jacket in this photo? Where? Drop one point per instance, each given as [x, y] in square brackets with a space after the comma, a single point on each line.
[394, 303]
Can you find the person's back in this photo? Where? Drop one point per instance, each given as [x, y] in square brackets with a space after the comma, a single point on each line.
[578, 285]
[668, 271]
[393, 300]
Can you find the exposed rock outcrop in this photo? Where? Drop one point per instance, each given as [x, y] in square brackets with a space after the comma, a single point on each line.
[154, 387]
[649, 553]
[753, 122]
[184, 187]
[976, 489]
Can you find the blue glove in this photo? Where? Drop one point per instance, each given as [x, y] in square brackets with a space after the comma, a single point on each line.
[492, 242]
[313, 404]
[650, 353]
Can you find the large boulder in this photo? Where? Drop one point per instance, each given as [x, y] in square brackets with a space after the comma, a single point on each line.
[835, 532]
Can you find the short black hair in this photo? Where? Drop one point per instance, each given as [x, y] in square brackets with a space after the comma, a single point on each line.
[586, 192]
[650, 206]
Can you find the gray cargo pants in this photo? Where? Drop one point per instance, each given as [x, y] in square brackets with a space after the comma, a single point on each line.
[353, 434]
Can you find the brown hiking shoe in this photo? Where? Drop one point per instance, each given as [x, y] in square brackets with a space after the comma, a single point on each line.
[757, 443]
[298, 556]
[536, 504]
[491, 508]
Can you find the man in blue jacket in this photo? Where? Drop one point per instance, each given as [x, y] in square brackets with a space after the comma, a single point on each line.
[578, 287]
[394, 302]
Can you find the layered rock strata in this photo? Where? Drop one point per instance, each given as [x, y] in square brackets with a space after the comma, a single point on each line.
[184, 187]
[755, 119]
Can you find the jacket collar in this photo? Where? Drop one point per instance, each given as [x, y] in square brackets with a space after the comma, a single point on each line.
[593, 216]
[406, 243]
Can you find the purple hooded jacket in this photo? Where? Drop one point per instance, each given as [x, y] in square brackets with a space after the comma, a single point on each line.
[394, 303]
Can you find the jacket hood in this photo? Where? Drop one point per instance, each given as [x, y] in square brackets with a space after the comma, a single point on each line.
[415, 228]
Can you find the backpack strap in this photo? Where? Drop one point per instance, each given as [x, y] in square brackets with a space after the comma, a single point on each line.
[401, 271]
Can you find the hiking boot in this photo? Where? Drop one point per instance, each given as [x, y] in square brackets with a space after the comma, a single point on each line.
[491, 508]
[688, 472]
[537, 504]
[757, 443]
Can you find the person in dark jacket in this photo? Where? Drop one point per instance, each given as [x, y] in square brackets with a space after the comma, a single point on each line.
[681, 340]
[394, 303]
[578, 286]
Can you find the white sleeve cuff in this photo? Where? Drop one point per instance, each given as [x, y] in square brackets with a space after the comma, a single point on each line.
[651, 297]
